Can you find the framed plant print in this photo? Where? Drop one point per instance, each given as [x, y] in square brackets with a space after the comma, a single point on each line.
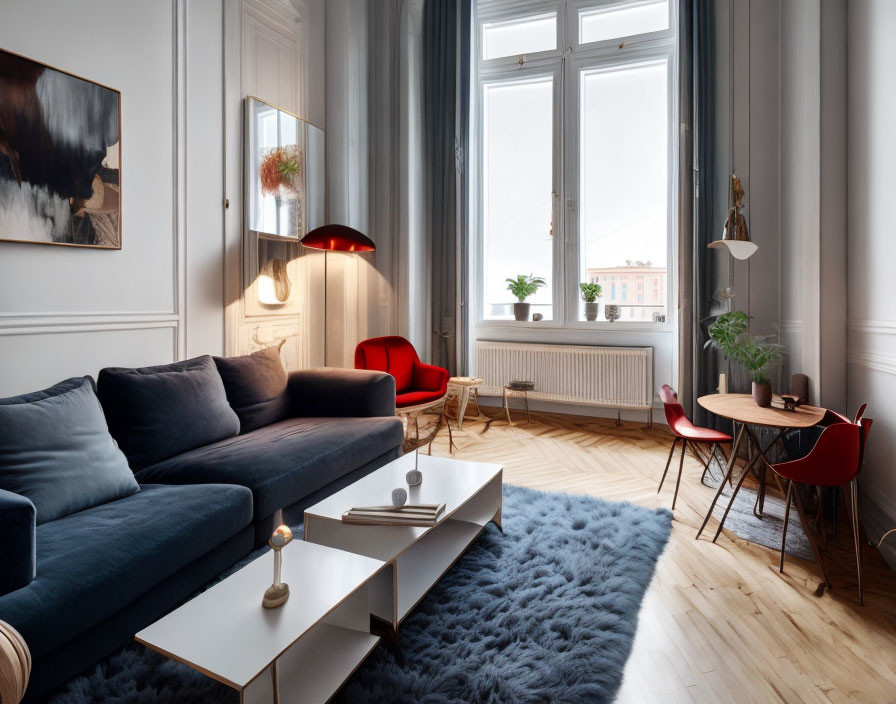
[60, 157]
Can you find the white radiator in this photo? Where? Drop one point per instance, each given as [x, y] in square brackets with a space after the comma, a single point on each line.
[615, 377]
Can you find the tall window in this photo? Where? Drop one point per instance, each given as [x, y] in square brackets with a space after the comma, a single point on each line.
[574, 144]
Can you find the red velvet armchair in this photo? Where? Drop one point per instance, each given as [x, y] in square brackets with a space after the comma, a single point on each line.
[418, 386]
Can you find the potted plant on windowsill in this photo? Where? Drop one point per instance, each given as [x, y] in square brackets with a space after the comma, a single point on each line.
[590, 293]
[522, 287]
[757, 354]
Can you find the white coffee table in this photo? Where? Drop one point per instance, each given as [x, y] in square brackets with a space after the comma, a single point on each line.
[310, 645]
[471, 492]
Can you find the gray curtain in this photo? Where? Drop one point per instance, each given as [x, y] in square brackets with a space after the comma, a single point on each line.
[699, 366]
[446, 90]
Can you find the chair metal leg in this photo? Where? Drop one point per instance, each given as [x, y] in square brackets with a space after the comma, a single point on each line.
[725, 479]
[784, 530]
[668, 461]
[684, 446]
[816, 551]
[854, 514]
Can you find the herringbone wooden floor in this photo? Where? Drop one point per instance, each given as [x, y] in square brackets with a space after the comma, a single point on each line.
[719, 623]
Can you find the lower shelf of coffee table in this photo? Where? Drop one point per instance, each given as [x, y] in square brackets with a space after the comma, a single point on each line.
[313, 669]
[422, 565]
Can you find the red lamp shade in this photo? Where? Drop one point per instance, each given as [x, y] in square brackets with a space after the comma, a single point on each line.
[338, 238]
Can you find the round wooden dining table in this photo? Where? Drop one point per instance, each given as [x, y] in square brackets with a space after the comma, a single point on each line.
[742, 410]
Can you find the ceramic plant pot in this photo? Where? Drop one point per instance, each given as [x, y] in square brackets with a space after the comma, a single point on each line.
[762, 394]
[521, 311]
[591, 311]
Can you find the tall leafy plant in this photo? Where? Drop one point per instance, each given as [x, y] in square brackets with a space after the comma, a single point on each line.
[757, 354]
[524, 286]
[726, 331]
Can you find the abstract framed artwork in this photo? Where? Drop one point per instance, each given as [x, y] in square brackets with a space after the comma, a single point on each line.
[60, 157]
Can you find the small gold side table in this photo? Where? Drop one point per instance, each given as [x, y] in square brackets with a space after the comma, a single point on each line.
[511, 391]
[464, 388]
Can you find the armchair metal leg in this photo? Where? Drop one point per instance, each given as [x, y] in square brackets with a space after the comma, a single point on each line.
[684, 446]
[668, 461]
[784, 530]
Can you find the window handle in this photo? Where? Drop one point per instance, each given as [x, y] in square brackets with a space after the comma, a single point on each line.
[554, 196]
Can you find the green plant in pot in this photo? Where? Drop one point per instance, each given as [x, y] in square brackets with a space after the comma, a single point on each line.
[726, 331]
[724, 334]
[590, 293]
[758, 355]
[522, 287]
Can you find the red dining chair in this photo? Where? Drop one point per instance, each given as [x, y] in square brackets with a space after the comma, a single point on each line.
[419, 387]
[834, 461]
[687, 432]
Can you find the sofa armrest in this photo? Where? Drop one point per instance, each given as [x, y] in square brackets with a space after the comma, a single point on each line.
[430, 378]
[18, 542]
[350, 393]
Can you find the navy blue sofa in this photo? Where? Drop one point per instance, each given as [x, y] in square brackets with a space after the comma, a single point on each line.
[85, 583]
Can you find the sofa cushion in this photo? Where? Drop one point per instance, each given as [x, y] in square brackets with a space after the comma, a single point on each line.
[56, 450]
[256, 388]
[92, 564]
[284, 462]
[158, 412]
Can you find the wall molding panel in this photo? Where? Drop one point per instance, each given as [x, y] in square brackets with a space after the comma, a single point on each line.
[881, 362]
[874, 327]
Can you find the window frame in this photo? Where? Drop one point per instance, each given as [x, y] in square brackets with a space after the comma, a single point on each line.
[567, 250]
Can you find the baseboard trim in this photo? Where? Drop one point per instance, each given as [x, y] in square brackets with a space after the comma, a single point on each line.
[878, 515]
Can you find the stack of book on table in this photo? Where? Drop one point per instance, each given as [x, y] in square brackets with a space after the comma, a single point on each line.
[424, 515]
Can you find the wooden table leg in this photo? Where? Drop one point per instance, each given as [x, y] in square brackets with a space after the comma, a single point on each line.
[759, 504]
[734, 448]
[734, 494]
[463, 399]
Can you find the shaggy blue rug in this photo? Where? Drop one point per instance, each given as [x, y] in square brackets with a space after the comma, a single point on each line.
[545, 612]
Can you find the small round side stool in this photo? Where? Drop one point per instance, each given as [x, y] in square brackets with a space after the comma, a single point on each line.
[15, 665]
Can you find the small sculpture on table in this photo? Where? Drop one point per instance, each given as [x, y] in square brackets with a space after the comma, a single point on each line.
[399, 497]
[790, 402]
[415, 476]
[278, 592]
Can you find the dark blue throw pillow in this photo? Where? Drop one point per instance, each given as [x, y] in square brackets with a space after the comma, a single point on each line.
[158, 412]
[56, 450]
[256, 388]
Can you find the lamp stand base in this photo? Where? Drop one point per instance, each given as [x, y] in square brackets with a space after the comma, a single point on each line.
[275, 595]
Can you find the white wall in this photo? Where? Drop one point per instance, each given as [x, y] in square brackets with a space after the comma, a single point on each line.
[68, 311]
[872, 318]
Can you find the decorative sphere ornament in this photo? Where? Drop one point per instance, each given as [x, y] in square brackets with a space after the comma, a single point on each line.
[399, 497]
[414, 477]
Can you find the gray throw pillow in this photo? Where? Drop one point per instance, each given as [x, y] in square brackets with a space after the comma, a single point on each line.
[158, 412]
[56, 450]
[256, 388]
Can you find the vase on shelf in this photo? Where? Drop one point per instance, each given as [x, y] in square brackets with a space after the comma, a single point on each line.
[762, 394]
[521, 311]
